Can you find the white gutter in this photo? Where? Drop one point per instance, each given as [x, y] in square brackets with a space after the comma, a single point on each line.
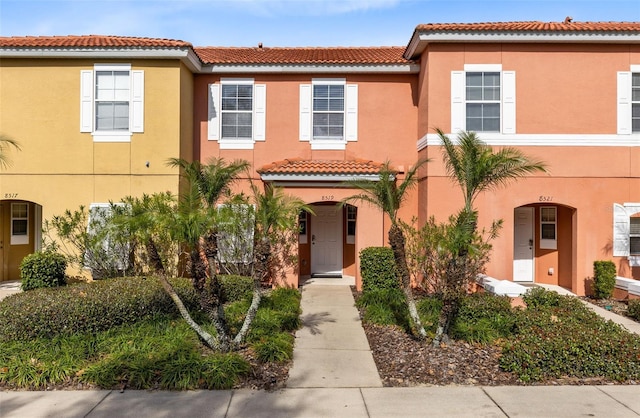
[186, 55]
[420, 40]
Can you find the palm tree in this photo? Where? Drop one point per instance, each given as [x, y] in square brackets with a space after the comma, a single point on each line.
[276, 213]
[477, 168]
[388, 196]
[194, 225]
[144, 218]
[5, 143]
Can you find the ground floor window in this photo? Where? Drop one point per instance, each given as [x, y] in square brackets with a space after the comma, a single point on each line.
[19, 223]
[548, 228]
[351, 224]
[634, 236]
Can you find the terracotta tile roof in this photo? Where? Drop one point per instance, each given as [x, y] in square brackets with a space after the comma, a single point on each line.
[298, 56]
[328, 167]
[89, 41]
[532, 26]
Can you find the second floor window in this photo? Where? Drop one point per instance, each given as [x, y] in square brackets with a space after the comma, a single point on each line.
[328, 111]
[112, 101]
[483, 101]
[237, 111]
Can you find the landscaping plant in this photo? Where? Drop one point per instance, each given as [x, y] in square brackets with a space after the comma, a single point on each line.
[604, 279]
[42, 269]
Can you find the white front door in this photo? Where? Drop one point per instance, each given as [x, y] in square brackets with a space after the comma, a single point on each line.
[523, 245]
[326, 241]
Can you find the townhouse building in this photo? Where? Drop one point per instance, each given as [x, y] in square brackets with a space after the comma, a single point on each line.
[98, 116]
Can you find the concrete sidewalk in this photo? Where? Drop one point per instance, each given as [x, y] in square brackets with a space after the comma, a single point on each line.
[441, 401]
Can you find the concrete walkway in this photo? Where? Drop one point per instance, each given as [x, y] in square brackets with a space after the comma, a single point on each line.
[331, 348]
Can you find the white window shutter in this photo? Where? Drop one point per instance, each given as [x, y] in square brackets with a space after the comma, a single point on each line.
[508, 102]
[259, 111]
[305, 112]
[213, 126]
[458, 107]
[137, 101]
[621, 228]
[351, 116]
[624, 103]
[86, 101]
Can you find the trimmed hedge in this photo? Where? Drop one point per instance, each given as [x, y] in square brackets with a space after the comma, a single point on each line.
[604, 279]
[42, 269]
[378, 269]
[88, 307]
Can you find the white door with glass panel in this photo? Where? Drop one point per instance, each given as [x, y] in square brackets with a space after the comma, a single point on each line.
[523, 245]
[326, 241]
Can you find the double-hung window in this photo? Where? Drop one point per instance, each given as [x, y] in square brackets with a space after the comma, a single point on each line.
[629, 101]
[483, 99]
[626, 232]
[328, 113]
[112, 102]
[237, 113]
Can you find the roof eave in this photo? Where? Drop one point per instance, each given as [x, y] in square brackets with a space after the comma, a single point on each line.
[312, 68]
[186, 55]
[420, 39]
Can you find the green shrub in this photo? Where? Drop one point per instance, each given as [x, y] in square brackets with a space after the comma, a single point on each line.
[569, 340]
[483, 318]
[274, 348]
[604, 279]
[88, 307]
[236, 287]
[385, 307]
[378, 269]
[538, 296]
[42, 269]
[633, 310]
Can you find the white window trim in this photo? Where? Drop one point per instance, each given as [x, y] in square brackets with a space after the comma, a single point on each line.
[350, 114]
[214, 125]
[624, 102]
[19, 239]
[87, 103]
[549, 244]
[622, 228]
[507, 97]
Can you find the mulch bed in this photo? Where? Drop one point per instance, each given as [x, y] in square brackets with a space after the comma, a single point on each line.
[404, 361]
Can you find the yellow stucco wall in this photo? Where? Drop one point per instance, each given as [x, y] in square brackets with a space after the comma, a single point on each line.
[59, 167]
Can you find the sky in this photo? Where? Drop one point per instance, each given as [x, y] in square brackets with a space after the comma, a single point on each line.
[286, 22]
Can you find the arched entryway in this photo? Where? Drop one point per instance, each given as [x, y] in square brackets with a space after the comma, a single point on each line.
[327, 240]
[20, 235]
[543, 244]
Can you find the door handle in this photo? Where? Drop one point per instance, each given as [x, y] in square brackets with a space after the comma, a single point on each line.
[531, 244]
[313, 239]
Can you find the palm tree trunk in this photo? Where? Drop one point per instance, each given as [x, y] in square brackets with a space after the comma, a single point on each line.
[210, 299]
[262, 251]
[397, 242]
[156, 262]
